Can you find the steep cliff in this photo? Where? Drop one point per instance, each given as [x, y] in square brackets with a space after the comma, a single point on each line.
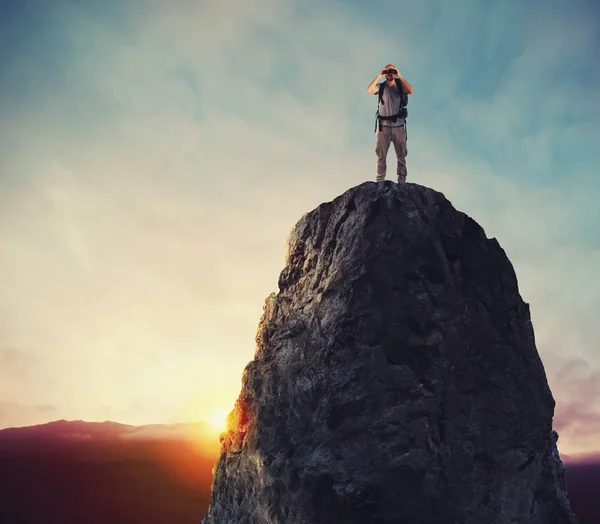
[396, 379]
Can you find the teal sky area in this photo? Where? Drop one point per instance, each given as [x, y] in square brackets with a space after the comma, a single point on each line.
[154, 156]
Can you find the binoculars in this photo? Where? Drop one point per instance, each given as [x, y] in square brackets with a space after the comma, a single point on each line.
[390, 72]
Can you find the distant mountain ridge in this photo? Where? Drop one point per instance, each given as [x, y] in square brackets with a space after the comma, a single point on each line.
[60, 432]
[106, 429]
[97, 472]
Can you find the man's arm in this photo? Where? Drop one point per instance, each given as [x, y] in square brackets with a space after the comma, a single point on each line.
[407, 87]
[373, 87]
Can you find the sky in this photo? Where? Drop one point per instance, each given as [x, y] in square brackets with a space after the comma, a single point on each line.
[154, 156]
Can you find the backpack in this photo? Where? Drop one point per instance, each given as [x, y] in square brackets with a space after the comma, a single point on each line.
[402, 113]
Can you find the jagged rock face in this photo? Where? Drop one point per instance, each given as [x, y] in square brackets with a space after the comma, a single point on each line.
[396, 379]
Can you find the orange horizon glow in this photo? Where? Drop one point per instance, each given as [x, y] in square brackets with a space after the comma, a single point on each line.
[217, 420]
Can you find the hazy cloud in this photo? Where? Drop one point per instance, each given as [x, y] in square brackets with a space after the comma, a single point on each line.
[577, 416]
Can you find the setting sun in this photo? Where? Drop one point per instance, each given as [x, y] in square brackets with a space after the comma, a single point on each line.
[218, 419]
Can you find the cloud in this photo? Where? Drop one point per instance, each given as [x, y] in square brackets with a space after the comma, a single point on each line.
[577, 417]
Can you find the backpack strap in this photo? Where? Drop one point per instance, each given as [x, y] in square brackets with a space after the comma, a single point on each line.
[380, 93]
[403, 95]
[379, 101]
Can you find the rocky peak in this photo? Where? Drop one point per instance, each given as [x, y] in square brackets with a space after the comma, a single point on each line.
[396, 378]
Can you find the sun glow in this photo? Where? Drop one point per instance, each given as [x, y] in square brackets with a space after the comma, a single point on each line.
[218, 420]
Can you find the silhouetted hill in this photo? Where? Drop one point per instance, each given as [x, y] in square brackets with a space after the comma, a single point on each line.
[80, 472]
[583, 480]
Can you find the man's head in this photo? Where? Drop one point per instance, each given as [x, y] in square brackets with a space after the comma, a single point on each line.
[390, 70]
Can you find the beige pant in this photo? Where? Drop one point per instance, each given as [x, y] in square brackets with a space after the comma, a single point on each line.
[397, 136]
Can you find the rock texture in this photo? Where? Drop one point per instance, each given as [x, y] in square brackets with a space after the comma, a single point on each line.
[396, 379]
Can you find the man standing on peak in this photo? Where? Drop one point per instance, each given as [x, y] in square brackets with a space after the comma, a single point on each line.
[391, 119]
